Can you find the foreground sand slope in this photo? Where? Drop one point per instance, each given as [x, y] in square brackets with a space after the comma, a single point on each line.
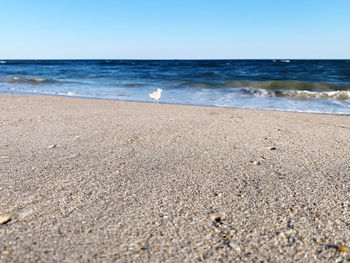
[105, 180]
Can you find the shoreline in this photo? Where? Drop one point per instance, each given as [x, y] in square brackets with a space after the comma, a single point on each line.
[191, 105]
[107, 180]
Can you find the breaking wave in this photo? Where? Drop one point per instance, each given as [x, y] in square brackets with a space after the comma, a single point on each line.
[300, 94]
[293, 89]
[289, 85]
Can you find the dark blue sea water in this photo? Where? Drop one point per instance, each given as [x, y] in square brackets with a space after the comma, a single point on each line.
[292, 85]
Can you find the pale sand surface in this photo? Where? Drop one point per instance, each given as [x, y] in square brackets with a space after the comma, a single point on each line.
[130, 182]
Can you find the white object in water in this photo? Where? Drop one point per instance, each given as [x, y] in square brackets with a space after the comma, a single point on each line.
[155, 95]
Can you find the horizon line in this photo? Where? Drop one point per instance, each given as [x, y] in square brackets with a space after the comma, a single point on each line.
[173, 59]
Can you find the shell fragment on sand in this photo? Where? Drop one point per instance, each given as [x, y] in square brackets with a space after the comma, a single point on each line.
[343, 249]
[271, 148]
[4, 219]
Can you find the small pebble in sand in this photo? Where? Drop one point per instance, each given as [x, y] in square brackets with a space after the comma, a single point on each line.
[7, 250]
[137, 138]
[304, 239]
[141, 245]
[4, 219]
[343, 249]
[257, 162]
[271, 148]
[51, 146]
[216, 218]
[217, 194]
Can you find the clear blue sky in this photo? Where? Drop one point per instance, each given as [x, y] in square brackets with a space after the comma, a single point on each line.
[163, 29]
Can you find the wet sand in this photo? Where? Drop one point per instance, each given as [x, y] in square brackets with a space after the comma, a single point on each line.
[94, 180]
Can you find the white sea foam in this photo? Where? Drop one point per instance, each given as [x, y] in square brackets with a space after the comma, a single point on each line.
[48, 92]
[71, 93]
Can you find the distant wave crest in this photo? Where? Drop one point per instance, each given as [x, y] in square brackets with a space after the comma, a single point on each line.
[30, 80]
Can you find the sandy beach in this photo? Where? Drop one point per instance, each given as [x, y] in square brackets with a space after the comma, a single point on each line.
[94, 180]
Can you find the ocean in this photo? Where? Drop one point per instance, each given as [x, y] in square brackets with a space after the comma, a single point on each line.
[319, 86]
